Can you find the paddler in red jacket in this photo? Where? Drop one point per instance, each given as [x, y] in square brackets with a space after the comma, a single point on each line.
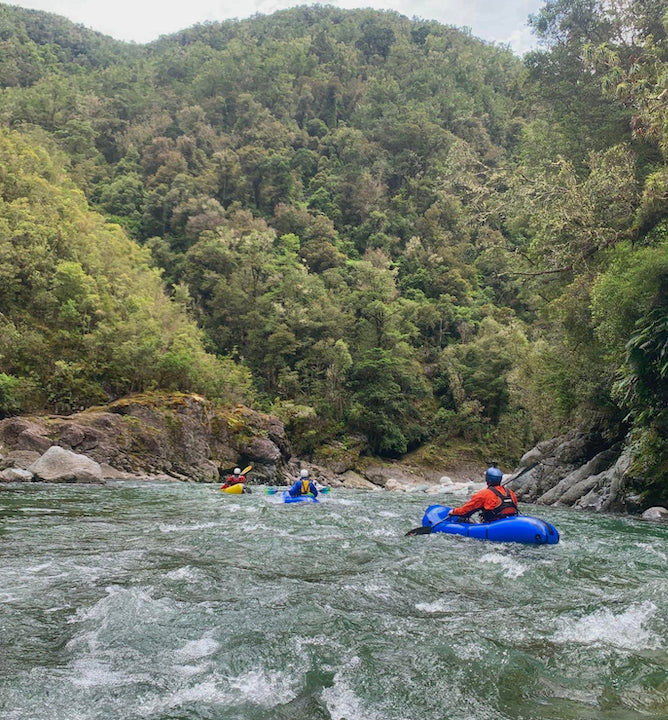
[495, 501]
[233, 479]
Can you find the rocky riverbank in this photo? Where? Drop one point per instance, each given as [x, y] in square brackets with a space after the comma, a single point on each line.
[179, 436]
[186, 437]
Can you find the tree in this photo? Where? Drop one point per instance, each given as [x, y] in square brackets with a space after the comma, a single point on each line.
[386, 389]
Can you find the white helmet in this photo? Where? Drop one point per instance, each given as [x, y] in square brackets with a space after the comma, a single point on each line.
[237, 471]
[303, 474]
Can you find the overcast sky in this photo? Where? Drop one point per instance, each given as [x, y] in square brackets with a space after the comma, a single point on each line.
[499, 21]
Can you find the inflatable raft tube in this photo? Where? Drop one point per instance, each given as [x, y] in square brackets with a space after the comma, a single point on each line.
[287, 498]
[518, 528]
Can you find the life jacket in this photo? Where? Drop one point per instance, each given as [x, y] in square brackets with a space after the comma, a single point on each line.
[506, 503]
[306, 487]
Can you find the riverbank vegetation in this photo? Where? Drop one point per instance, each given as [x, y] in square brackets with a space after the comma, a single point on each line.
[371, 226]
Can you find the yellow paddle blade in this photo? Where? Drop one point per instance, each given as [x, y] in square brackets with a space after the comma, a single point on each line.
[247, 469]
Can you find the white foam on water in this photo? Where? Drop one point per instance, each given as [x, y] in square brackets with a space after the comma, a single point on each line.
[231, 509]
[190, 670]
[103, 607]
[389, 514]
[343, 704]
[39, 511]
[374, 590]
[257, 687]
[626, 630]
[585, 696]
[648, 547]
[469, 651]
[184, 573]
[166, 528]
[204, 692]
[264, 687]
[382, 532]
[511, 568]
[197, 649]
[341, 700]
[91, 673]
[119, 617]
[249, 526]
[56, 608]
[442, 605]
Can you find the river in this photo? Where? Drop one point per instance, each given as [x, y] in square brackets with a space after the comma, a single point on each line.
[173, 601]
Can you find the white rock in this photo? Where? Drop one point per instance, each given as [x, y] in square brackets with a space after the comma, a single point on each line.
[60, 465]
[657, 514]
[16, 475]
[396, 485]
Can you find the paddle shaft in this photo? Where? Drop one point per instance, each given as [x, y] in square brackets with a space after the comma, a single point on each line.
[519, 474]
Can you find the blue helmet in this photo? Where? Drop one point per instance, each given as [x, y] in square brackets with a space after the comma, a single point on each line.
[493, 476]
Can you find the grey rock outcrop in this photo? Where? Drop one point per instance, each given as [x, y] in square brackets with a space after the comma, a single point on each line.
[177, 435]
[19, 459]
[353, 480]
[392, 477]
[580, 469]
[60, 466]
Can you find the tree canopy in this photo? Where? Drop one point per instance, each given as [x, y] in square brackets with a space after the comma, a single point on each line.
[414, 234]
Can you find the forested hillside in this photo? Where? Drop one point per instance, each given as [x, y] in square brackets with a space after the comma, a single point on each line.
[372, 226]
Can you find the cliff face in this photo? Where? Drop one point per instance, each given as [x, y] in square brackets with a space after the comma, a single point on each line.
[178, 435]
[580, 470]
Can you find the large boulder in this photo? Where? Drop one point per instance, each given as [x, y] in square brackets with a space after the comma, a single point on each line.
[15, 474]
[656, 514]
[351, 479]
[393, 476]
[23, 434]
[608, 491]
[553, 460]
[578, 483]
[61, 466]
[262, 451]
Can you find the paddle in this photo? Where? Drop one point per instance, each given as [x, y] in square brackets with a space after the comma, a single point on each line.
[520, 473]
[422, 530]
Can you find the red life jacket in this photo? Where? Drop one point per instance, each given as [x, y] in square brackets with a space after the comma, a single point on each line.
[501, 509]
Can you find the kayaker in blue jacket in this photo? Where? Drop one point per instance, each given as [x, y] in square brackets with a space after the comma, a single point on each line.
[303, 486]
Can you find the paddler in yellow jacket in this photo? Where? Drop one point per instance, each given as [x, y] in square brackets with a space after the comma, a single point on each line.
[303, 486]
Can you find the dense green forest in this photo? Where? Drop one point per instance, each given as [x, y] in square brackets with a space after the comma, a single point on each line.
[374, 227]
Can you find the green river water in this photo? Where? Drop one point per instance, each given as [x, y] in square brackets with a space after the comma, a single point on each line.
[171, 601]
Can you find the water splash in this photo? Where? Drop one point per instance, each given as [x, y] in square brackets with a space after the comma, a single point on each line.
[626, 630]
